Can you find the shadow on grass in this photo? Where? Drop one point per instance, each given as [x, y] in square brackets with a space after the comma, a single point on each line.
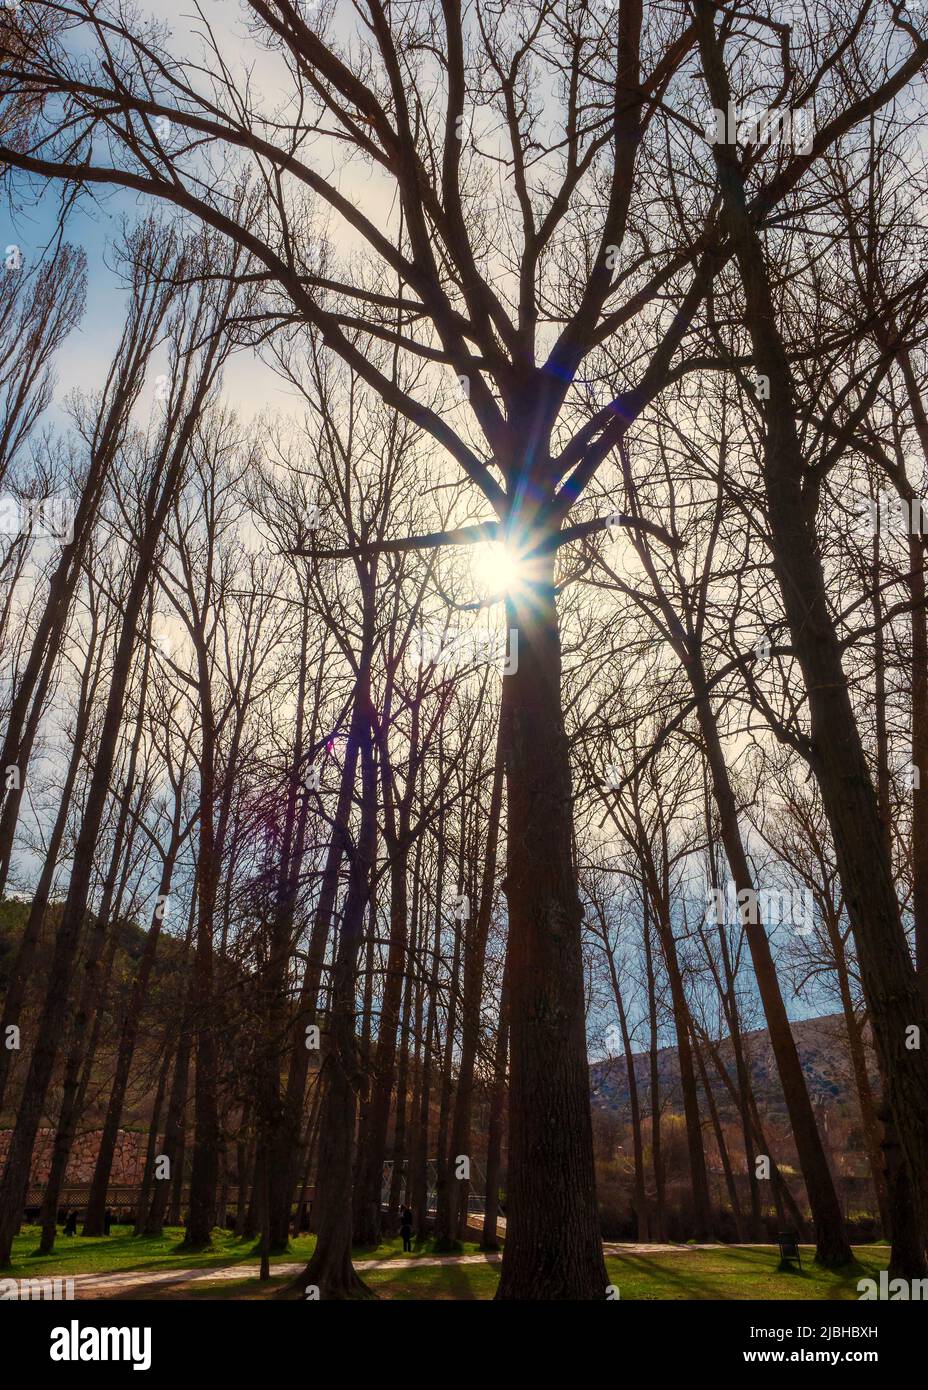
[125, 1253]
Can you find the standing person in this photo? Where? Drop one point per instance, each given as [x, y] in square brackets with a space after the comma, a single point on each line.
[406, 1228]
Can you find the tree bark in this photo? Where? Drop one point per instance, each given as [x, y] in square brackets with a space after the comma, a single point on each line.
[553, 1242]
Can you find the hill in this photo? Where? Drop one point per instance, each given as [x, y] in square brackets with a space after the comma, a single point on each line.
[822, 1049]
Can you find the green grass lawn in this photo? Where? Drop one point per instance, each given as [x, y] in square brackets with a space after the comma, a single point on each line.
[680, 1274]
[120, 1250]
[738, 1274]
[686, 1273]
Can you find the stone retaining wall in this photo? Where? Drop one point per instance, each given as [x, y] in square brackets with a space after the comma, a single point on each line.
[128, 1159]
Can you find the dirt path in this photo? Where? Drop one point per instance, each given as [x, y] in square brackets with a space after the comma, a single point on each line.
[134, 1281]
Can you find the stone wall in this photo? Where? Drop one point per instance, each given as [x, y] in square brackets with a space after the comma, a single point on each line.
[128, 1159]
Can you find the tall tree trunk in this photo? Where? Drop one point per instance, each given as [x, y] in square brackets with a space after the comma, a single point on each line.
[285, 1141]
[96, 1201]
[720, 1142]
[172, 1141]
[21, 970]
[660, 1206]
[641, 1196]
[148, 1172]
[372, 1149]
[330, 1270]
[102, 940]
[446, 1074]
[419, 1176]
[147, 308]
[699, 1179]
[855, 1044]
[553, 1242]
[160, 496]
[784, 1201]
[729, 997]
[490, 1239]
[280, 1165]
[404, 1155]
[204, 1175]
[832, 1247]
[475, 950]
[895, 1002]
[399, 1180]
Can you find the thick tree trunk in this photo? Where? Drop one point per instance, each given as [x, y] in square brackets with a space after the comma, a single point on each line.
[907, 1252]
[309, 1148]
[919, 753]
[553, 1242]
[74, 1090]
[22, 745]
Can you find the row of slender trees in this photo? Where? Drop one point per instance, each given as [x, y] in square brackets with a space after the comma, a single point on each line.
[538, 284]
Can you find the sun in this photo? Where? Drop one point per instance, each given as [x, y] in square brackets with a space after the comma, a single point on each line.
[497, 569]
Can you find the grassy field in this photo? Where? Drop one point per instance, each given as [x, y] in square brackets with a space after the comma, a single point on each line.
[726, 1274]
[120, 1250]
[686, 1273]
[739, 1273]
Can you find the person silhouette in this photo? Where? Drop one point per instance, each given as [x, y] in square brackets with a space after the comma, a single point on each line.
[406, 1228]
[70, 1225]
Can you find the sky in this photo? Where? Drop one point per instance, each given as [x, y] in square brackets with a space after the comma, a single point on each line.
[82, 363]
[85, 356]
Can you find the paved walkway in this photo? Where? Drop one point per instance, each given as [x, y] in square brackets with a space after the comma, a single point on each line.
[131, 1281]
